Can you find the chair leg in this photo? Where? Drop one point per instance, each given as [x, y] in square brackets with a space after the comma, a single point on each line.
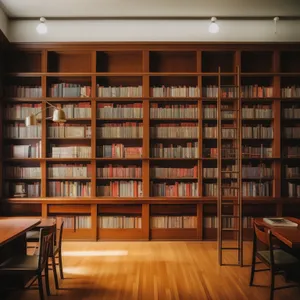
[272, 285]
[47, 280]
[54, 272]
[41, 289]
[60, 264]
[252, 273]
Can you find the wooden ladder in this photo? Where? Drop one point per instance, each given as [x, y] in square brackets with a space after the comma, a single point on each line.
[230, 179]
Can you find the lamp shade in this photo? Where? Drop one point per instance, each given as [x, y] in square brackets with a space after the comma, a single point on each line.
[59, 116]
[30, 120]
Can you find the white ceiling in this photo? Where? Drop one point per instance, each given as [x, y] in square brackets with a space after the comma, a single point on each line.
[150, 8]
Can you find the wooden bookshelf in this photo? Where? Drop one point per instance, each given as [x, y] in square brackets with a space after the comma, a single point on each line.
[101, 195]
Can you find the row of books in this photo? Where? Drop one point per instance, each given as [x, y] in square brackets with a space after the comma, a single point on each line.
[119, 222]
[22, 189]
[257, 152]
[213, 172]
[119, 151]
[292, 112]
[255, 91]
[119, 91]
[292, 151]
[180, 130]
[119, 111]
[177, 189]
[212, 222]
[291, 132]
[187, 150]
[119, 171]
[69, 90]
[211, 189]
[24, 151]
[120, 130]
[81, 90]
[211, 132]
[69, 189]
[293, 189]
[20, 131]
[22, 172]
[289, 92]
[74, 222]
[261, 171]
[175, 111]
[69, 171]
[70, 151]
[173, 222]
[175, 91]
[257, 132]
[21, 111]
[123, 188]
[292, 172]
[158, 172]
[213, 90]
[57, 130]
[247, 152]
[257, 112]
[249, 189]
[210, 112]
[72, 110]
[23, 91]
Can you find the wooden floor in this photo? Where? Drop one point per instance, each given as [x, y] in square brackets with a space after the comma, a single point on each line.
[154, 270]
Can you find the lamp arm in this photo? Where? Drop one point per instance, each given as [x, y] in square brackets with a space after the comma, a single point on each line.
[50, 105]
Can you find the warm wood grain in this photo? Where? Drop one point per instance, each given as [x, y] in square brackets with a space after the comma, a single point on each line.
[11, 228]
[288, 235]
[155, 271]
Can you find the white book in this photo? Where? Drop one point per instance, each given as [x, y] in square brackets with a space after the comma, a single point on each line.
[280, 222]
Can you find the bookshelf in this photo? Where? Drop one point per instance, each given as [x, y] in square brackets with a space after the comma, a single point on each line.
[137, 157]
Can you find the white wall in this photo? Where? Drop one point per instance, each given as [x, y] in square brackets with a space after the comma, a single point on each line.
[155, 30]
[3, 22]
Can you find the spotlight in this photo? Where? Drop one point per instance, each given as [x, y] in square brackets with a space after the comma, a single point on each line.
[213, 26]
[41, 28]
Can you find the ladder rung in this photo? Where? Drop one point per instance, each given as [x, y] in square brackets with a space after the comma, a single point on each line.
[230, 248]
[230, 216]
[229, 229]
[230, 203]
[230, 187]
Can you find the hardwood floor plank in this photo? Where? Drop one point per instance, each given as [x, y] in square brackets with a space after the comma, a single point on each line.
[154, 271]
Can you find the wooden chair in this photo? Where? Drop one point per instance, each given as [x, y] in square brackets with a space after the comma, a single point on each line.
[31, 265]
[276, 259]
[57, 250]
[31, 237]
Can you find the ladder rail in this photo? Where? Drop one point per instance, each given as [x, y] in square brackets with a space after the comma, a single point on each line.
[237, 206]
[219, 167]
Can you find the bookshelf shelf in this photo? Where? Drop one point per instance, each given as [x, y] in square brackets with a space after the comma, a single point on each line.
[133, 71]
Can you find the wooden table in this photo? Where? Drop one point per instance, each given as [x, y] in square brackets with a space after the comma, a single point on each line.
[14, 228]
[13, 242]
[290, 236]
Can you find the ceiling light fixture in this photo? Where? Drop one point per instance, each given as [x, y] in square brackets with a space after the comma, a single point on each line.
[41, 28]
[213, 26]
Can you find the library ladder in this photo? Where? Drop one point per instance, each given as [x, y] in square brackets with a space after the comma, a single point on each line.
[229, 133]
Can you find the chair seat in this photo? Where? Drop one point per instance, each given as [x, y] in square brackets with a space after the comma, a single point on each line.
[20, 263]
[281, 257]
[33, 236]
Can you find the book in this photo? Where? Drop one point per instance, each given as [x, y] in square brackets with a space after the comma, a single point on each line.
[280, 222]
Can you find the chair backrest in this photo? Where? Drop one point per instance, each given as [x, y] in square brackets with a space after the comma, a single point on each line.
[46, 240]
[262, 235]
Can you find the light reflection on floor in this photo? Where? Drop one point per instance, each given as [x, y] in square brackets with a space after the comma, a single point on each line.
[96, 253]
